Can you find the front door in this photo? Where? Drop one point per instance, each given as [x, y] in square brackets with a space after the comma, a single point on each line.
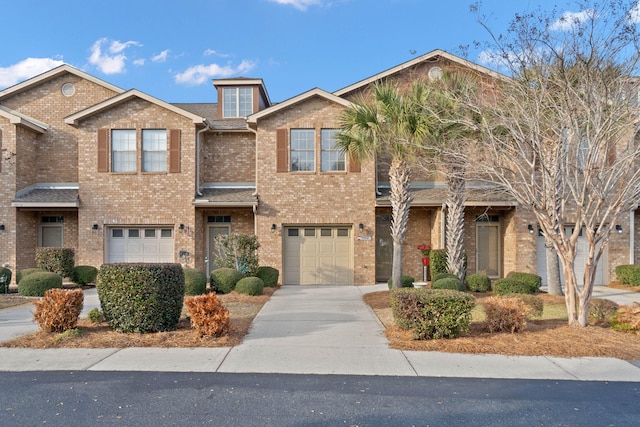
[488, 248]
[213, 231]
[384, 248]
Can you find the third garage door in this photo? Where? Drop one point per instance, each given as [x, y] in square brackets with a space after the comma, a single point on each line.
[318, 255]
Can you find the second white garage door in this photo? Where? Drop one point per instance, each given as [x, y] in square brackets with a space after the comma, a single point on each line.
[318, 255]
[151, 245]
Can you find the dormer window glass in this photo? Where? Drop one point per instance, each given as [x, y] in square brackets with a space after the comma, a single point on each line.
[237, 101]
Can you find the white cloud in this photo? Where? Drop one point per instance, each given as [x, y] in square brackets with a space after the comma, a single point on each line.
[199, 74]
[112, 62]
[139, 62]
[26, 69]
[299, 4]
[210, 52]
[568, 19]
[634, 14]
[161, 57]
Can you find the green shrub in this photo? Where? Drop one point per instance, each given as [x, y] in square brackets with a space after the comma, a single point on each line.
[533, 281]
[601, 311]
[84, 274]
[250, 286]
[432, 313]
[478, 282]
[96, 316]
[437, 261]
[405, 282]
[27, 271]
[37, 283]
[5, 279]
[223, 280]
[439, 276]
[628, 275]
[452, 283]
[238, 251]
[534, 302]
[510, 286]
[268, 275]
[56, 260]
[141, 297]
[195, 281]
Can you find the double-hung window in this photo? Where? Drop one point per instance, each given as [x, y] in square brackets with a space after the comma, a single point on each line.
[332, 158]
[154, 150]
[302, 150]
[123, 150]
[237, 101]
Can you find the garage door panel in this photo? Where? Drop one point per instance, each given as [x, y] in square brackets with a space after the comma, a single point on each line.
[144, 245]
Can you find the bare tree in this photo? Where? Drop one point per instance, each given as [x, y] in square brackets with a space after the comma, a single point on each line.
[559, 135]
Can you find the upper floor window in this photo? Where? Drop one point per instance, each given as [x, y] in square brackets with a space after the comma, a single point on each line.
[123, 150]
[302, 150]
[154, 150]
[237, 101]
[332, 158]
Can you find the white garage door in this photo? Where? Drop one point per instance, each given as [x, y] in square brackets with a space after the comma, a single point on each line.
[582, 250]
[140, 245]
[318, 255]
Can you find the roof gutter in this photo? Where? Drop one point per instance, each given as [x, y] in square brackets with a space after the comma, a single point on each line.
[207, 127]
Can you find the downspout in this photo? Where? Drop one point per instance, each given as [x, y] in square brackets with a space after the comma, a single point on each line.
[255, 178]
[207, 127]
[375, 171]
[443, 227]
[632, 234]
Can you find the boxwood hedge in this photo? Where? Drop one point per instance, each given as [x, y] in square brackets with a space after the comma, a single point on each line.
[37, 283]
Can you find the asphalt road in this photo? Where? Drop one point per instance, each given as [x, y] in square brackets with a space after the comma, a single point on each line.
[167, 399]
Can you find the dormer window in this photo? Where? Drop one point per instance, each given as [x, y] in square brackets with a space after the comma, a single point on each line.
[237, 101]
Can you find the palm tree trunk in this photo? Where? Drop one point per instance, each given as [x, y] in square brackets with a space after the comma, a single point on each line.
[554, 285]
[455, 222]
[400, 181]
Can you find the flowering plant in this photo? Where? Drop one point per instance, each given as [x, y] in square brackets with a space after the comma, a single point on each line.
[425, 249]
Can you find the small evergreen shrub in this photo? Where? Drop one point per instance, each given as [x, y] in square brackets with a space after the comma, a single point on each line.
[505, 314]
[627, 318]
[238, 251]
[37, 283]
[478, 282]
[208, 316]
[510, 286]
[5, 279]
[24, 273]
[223, 280]
[432, 313]
[268, 275]
[532, 280]
[601, 311]
[250, 286]
[56, 260]
[405, 282]
[141, 297]
[195, 281]
[628, 275]
[534, 302]
[452, 283]
[439, 276]
[58, 310]
[437, 261]
[84, 274]
[96, 316]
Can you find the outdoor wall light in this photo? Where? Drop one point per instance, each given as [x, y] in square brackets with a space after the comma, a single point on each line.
[1, 227]
[181, 227]
[530, 228]
[618, 228]
[361, 227]
[94, 227]
[273, 228]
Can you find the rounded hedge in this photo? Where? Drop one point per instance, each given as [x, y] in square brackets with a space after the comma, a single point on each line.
[223, 280]
[84, 274]
[141, 297]
[39, 282]
[195, 281]
[250, 286]
[452, 283]
[439, 276]
[533, 281]
[510, 286]
[478, 282]
[5, 279]
[27, 271]
[268, 275]
[405, 282]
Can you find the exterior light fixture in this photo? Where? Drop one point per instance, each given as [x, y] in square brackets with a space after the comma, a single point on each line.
[94, 227]
[181, 227]
[618, 228]
[1, 227]
[361, 227]
[530, 228]
[273, 228]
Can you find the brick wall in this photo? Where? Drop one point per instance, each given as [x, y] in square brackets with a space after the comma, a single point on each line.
[228, 157]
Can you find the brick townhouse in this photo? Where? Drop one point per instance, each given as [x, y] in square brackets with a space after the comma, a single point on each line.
[121, 176]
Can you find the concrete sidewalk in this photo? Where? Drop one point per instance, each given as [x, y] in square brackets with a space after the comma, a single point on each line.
[317, 330]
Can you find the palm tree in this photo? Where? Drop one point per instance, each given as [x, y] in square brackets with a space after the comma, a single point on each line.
[389, 123]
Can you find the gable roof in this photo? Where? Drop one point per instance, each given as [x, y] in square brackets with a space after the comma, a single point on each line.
[253, 118]
[52, 74]
[431, 56]
[74, 119]
[17, 118]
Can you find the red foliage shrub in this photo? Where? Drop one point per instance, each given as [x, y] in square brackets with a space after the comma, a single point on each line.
[505, 314]
[59, 309]
[208, 316]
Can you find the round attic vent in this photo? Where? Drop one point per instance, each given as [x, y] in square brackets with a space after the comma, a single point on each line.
[68, 89]
[435, 73]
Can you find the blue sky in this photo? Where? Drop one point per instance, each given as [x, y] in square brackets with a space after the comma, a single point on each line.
[172, 49]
